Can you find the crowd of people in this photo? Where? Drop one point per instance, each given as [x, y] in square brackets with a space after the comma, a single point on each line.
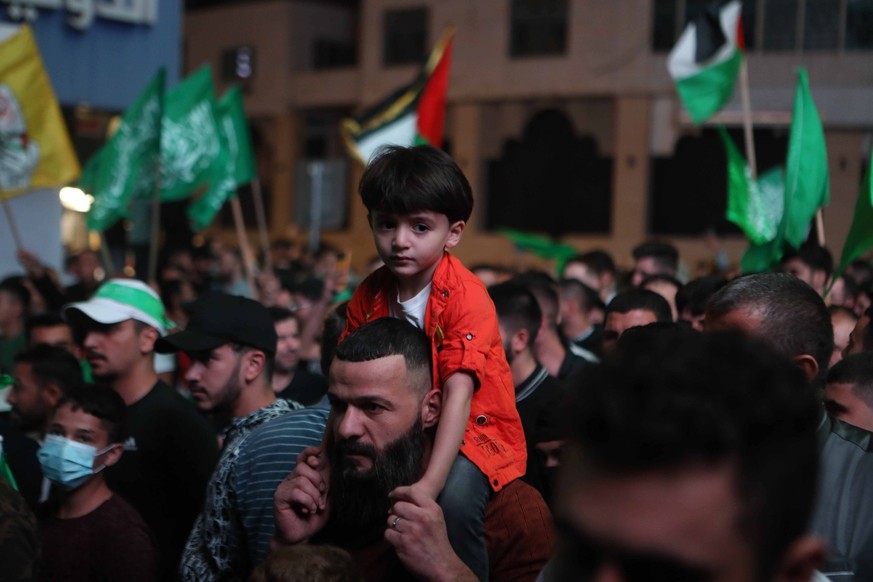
[432, 421]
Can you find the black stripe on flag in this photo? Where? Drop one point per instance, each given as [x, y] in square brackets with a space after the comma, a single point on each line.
[709, 34]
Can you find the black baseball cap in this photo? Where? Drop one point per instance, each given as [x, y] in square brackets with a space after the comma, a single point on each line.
[218, 319]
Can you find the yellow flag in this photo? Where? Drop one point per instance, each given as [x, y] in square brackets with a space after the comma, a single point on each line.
[35, 149]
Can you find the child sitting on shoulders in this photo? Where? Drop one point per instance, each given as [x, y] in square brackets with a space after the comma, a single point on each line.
[419, 201]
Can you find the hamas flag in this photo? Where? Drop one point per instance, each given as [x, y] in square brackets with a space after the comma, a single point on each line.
[705, 62]
[414, 114]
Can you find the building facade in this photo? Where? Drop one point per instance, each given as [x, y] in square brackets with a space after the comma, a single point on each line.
[560, 112]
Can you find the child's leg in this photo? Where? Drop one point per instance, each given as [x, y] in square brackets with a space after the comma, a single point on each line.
[463, 501]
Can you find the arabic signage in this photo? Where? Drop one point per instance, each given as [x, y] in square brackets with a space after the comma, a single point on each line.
[102, 52]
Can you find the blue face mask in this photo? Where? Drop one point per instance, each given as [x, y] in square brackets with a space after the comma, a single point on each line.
[66, 462]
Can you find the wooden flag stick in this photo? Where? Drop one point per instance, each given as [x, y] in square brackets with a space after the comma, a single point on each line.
[244, 245]
[261, 217]
[819, 227]
[747, 118]
[156, 232]
[13, 228]
[107, 258]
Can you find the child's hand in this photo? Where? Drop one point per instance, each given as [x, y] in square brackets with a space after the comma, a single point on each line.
[421, 488]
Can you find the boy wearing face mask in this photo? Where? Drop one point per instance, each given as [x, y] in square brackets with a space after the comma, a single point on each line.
[88, 532]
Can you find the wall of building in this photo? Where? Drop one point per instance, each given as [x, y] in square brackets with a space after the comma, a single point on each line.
[609, 83]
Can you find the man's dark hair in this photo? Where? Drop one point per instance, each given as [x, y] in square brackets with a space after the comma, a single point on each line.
[543, 288]
[665, 402]
[404, 180]
[48, 319]
[517, 309]
[792, 317]
[850, 286]
[14, 287]
[278, 314]
[585, 296]
[52, 365]
[598, 261]
[814, 256]
[665, 255]
[641, 299]
[696, 294]
[385, 337]
[334, 324]
[861, 271]
[100, 401]
[856, 369]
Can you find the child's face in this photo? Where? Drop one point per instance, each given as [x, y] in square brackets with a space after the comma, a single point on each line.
[79, 426]
[411, 245]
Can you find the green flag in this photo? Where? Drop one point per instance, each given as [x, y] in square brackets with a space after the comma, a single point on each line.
[237, 167]
[860, 237]
[754, 206]
[126, 163]
[806, 171]
[540, 246]
[190, 138]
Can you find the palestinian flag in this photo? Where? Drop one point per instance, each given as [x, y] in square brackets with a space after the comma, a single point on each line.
[705, 62]
[414, 114]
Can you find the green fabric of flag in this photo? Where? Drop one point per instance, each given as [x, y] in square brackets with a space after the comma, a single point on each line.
[190, 136]
[127, 163]
[860, 237]
[5, 471]
[754, 206]
[238, 167]
[806, 171]
[541, 246]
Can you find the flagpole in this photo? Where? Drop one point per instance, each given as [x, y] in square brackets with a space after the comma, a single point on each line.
[243, 245]
[156, 229]
[261, 217]
[104, 254]
[747, 118]
[13, 228]
[819, 227]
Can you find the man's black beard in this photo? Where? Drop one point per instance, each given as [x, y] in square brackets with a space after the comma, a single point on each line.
[359, 499]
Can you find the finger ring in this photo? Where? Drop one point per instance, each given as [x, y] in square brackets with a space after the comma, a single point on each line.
[394, 523]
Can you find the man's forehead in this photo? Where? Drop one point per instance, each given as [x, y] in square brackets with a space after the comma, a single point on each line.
[384, 374]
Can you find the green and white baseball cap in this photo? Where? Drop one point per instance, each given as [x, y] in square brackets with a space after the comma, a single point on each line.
[120, 300]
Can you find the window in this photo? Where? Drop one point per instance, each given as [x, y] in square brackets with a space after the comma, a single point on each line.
[332, 54]
[859, 25]
[778, 25]
[821, 25]
[405, 40]
[538, 28]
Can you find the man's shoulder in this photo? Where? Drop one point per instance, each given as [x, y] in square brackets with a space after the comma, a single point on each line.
[303, 423]
[860, 438]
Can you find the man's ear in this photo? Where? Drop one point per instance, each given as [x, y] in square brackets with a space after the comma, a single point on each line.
[519, 341]
[147, 338]
[113, 455]
[254, 365]
[51, 393]
[431, 407]
[808, 364]
[456, 229]
[800, 561]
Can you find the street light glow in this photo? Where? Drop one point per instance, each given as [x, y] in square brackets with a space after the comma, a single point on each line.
[75, 199]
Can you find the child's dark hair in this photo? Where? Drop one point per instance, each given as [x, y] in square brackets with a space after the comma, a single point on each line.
[404, 180]
[100, 401]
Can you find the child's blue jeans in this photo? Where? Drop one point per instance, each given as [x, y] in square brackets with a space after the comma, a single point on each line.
[463, 501]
